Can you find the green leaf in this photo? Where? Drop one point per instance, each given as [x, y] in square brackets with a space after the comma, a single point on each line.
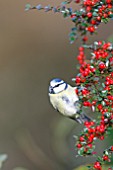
[72, 39]
[105, 20]
[111, 121]
[97, 72]
[81, 151]
[95, 14]
[27, 7]
[100, 159]
[96, 109]
[64, 3]
[72, 34]
[85, 130]
[103, 103]
[104, 93]
[99, 98]
[89, 166]
[103, 85]
[109, 128]
[84, 24]
[78, 13]
[111, 15]
[65, 14]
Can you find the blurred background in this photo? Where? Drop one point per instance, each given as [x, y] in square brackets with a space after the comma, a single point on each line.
[34, 48]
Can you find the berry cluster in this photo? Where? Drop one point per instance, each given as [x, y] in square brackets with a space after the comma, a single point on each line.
[95, 78]
[87, 19]
[92, 13]
[105, 158]
[95, 90]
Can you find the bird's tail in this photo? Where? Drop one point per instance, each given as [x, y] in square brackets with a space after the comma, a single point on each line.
[81, 118]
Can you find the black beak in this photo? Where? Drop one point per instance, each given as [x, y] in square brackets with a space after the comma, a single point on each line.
[51, 91]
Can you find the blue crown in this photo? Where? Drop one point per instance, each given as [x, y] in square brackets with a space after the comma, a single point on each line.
[57, 80]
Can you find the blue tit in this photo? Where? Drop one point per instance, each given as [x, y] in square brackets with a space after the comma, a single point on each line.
[65, 100]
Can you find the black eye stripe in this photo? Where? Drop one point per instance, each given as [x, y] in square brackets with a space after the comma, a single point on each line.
[58, 84]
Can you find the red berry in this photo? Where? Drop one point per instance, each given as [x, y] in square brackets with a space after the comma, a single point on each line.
[109, 168]
[86, 73]
[79, 145]
[79, 57]
[102, 65]
[73, 16]
[102, 129]
[87, 104]
[97, 165]
[99, 42]
[93, 21]
[110, 97]
[85, 92]
[88, 8]
[93, 70]
[105, 157]
[78, 79]
[89, 14]
[98, 128]
[107, 78]
[109, 6]
[94, 102]
[111, 148]
[92, 123]
[100, 106]
[91, 130]
[101, 138]
[90, 145]
[76, 91]
[90, 139]
[111, 81]
[85, 38]
[108, 1]
[110, 13]
[81, 138]
[87, 124]
[81, 48]
[107, 88]
[98, 18]
[105, 15]
[77, 1]
[91, 29]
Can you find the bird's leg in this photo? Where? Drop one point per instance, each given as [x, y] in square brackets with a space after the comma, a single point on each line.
[77, 105]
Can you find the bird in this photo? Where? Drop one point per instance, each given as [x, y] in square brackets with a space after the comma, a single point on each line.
[64, 99]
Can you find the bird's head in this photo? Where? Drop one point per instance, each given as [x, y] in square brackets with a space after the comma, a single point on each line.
[57, 85]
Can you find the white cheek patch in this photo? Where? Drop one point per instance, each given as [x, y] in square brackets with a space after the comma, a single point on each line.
[60, 88]
[53, 83]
